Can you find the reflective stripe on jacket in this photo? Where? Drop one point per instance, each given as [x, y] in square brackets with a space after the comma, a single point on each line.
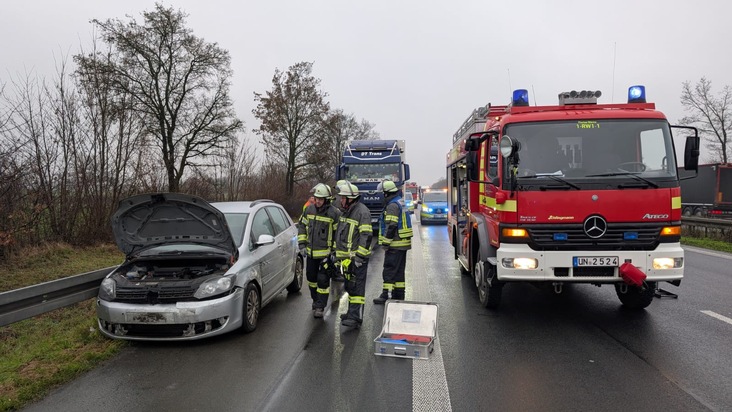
[395, 226]
[316, 230]
[353, 237]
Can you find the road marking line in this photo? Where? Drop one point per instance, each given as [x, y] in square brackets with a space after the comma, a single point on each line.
[429, 382]
[718, 316]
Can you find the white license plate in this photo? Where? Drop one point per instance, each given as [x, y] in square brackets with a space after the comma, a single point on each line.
[578, 261]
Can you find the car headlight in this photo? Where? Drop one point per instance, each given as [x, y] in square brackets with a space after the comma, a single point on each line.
[213, 287]
[108, 289]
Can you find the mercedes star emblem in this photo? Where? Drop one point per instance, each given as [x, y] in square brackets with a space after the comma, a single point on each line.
[595, 226]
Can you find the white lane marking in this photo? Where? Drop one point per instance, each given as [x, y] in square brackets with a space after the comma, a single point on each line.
[429, 382]
[718, 316]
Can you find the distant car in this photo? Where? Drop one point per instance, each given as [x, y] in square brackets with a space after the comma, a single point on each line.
[195, 269]
[408, 202]
[433, 207]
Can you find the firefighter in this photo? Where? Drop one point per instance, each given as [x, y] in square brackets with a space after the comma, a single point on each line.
[395, 236]
[337, 201]
[353, 249]
[316, 229]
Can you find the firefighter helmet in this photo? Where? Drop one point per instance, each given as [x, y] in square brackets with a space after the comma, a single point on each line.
[387, 186]
[322, 190]
[338, 184]
[348, 190]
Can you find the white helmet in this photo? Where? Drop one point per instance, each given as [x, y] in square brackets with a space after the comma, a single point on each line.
[322, 190]
[387, 186]
[348, 190]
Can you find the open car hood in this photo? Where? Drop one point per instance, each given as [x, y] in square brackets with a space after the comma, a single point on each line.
[156, 219]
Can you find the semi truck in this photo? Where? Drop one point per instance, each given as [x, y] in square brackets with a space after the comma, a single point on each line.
[709, 194]
[366, 163]
[577, 192]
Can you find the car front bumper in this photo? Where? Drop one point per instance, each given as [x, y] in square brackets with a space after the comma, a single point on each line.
[173, 321]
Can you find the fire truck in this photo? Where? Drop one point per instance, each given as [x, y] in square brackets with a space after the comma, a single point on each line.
[577, 192]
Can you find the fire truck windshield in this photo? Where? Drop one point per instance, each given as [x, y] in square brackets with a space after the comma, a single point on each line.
[373, 172]
[595, 149]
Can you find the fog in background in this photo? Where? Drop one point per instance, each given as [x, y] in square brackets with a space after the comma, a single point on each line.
[417, 69]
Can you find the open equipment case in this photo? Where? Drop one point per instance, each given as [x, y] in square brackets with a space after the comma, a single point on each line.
[409, 330]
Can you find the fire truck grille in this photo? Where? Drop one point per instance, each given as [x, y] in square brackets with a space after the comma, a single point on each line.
[619, 236]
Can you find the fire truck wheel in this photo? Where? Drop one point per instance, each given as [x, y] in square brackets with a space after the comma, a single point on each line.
[490, 296]
[635, 297]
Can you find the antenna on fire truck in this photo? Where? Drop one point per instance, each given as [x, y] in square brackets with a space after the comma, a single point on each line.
[615, 50]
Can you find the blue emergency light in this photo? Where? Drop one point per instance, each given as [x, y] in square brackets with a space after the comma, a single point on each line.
[520, 97]
[561, 236]
[637, 94]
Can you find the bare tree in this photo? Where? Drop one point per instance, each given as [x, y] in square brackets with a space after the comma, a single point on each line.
[711, 115]
[291, 116]
[178, 84]
[340, 128]
[112, 140]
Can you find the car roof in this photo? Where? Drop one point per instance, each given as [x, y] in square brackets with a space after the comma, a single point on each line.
[241, 206]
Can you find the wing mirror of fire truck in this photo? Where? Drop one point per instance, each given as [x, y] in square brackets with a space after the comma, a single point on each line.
[691, 153]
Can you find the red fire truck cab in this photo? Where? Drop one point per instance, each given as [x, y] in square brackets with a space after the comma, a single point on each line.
[579, 192]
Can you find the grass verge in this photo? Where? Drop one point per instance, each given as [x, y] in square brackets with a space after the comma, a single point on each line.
[40, 353]
[706, 243]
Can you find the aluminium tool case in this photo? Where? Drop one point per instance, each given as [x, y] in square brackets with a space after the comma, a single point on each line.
[409, 330]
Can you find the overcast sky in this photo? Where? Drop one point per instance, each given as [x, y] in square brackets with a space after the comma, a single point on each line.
[416, 69]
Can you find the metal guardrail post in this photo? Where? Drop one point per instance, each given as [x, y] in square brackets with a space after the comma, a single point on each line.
[24, 303]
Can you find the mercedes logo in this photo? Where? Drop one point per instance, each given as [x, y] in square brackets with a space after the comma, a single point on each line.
[595, 226]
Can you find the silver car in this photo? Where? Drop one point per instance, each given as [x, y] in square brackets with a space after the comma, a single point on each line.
[195, 269]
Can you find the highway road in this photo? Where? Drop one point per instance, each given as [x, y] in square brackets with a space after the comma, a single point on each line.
[577, 351]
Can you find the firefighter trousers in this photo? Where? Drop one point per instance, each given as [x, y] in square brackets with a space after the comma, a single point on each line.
[355, 286]
[395, 263]
[318, 281]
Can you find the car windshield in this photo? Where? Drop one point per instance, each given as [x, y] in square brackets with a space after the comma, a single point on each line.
[599, 148]
[237, 223]
[373, 172]
[435, 197]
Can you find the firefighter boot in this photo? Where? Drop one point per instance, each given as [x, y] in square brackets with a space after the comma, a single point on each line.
[397, 294]
[353, 316]
[382, 298]
[318, 313]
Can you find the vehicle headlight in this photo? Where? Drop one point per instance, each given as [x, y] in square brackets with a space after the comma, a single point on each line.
[108, 289]
[668, 263]
[213, 287]
[520, 263]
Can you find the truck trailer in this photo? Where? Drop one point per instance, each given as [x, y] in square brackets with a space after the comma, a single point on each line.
[709, 194]
[578, 192]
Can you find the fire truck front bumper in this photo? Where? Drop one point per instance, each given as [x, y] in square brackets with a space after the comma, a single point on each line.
[519, 263]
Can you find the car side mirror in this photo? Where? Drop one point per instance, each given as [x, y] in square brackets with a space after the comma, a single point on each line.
[265, 240]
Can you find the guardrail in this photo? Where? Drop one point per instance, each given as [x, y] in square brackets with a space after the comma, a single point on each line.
[19, 304]
[24, 303]
[706, 227]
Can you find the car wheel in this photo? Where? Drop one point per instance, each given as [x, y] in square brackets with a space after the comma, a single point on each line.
[296, 283]
[635, 297]
[252, 306]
